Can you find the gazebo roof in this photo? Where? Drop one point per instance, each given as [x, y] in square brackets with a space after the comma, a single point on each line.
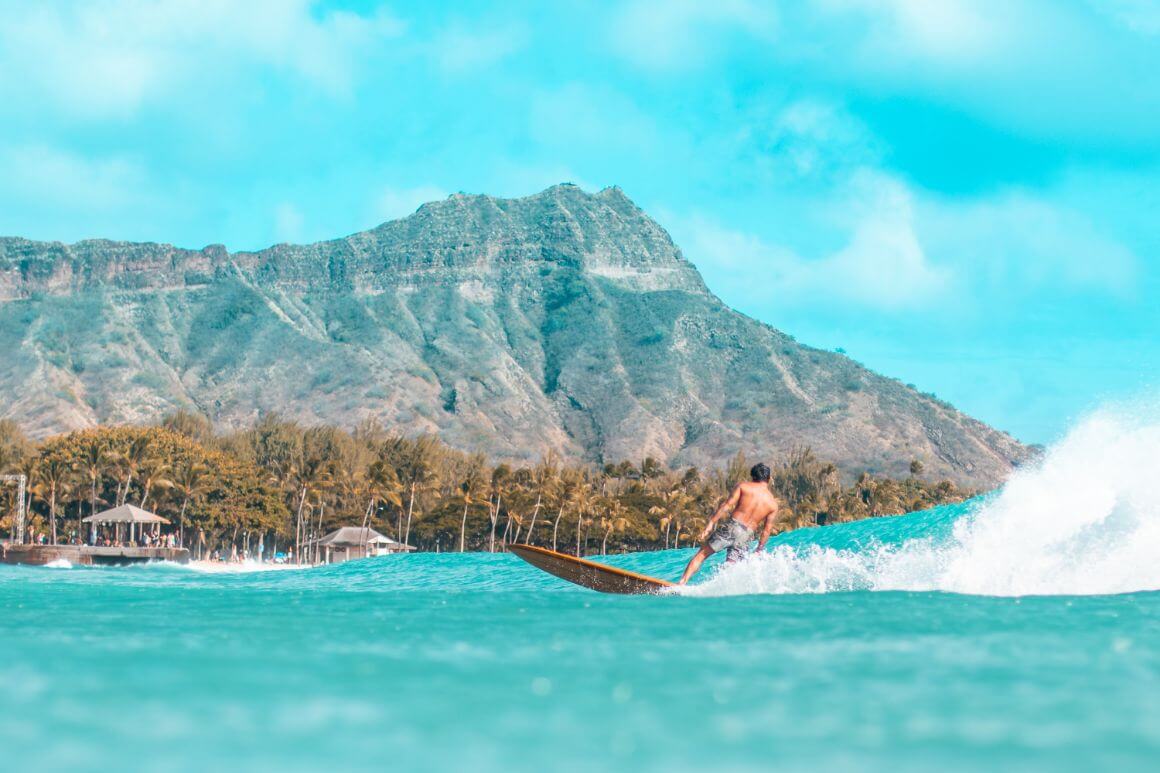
[357, 536]
[125, 514]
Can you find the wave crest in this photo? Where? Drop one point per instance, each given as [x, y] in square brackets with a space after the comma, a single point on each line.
[1084, 520]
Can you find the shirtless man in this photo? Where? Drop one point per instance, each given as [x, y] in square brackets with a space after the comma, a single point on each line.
[752, 505]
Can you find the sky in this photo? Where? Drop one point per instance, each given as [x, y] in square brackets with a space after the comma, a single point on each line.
[962, 194]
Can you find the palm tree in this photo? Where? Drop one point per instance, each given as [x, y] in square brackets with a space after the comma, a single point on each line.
[315, 550]
[664, 521]
[417, 468]
[153, 475]
[615, 521]
[546, 477]
[582, 497]
[190, 479]
[383, 486]
[92, 460]
[310, 473]
[135, 456]
[568, 483]
[467, 488]
[499, 477]
[52, 472]
[519, 522]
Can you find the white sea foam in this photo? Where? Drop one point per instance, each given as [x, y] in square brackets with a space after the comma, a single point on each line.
[219, 567]
[1085, 520]
[59, 563]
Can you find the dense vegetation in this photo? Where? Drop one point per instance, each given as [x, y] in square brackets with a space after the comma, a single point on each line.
[282, 484]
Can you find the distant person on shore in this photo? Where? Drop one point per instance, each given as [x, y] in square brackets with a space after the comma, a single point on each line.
[750, 505]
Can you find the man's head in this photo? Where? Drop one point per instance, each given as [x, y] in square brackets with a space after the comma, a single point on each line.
[760, 473]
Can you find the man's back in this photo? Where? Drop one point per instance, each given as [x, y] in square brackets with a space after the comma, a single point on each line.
[754, 504]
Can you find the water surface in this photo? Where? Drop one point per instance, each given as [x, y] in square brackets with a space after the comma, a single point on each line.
[1018, 632]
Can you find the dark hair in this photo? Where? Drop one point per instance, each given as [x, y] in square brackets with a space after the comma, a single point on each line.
[760, 473]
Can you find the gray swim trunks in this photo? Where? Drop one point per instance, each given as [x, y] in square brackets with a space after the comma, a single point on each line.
[733, 536]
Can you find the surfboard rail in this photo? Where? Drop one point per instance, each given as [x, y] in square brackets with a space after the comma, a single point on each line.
[589, 574]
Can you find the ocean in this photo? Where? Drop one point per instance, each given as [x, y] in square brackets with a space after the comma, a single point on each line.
[1020, 630]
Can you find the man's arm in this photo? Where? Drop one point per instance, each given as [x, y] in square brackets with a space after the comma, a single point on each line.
[767, 528]
[726, 506]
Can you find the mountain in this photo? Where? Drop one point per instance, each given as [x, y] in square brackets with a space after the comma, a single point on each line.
[564, 320]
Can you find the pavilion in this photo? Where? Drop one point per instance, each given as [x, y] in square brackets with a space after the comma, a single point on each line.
[135, 517]
[349, 542]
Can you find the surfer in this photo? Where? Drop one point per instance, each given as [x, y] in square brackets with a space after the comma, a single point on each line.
[750, 505]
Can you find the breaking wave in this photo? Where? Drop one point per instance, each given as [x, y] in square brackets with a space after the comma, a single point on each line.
[1084, 520]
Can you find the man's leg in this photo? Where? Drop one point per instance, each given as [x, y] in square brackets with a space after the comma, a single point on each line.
[695, 563]
[736, 552]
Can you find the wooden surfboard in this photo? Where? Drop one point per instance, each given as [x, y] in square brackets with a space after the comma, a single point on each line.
[606, 579]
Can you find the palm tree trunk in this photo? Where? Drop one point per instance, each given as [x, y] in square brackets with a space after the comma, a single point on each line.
[579, 518]
[52, 509]
[298, 527]
[556, 525]
[318, 531]
[410, 509]
[463, 527]
[93, 498]
[181, 523]
[535, 512]
[506, 530]
[494, 518]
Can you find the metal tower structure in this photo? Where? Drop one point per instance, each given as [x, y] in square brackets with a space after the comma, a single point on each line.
[22, 486]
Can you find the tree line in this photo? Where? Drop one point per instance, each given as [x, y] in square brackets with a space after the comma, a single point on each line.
[279, 484]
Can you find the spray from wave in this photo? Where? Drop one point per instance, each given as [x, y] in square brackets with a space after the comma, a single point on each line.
[1084, 520]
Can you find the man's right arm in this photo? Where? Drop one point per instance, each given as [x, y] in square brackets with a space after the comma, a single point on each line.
[726, 506]
[767, 529]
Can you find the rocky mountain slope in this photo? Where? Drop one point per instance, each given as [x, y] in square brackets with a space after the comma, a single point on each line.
[564, 320]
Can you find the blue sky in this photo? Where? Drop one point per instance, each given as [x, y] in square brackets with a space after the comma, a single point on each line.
[960, 194]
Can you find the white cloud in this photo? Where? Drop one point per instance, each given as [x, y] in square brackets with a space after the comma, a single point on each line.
[807, 138]
[393, 203]
[947, 32]
[1015, 239]
[51, 193]
[579, 115]
[1037, 67]
[882, 266]
[52, 177]
[107, 59]
[1142, 16]
[459, 49]
[288, 222]
[907, 251]
[676, 34]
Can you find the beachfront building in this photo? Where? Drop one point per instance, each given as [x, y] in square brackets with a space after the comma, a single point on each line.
[123, 535]
[125, 524]
[349, 542]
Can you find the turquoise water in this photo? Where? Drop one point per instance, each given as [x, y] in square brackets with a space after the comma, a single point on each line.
[898, 644]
